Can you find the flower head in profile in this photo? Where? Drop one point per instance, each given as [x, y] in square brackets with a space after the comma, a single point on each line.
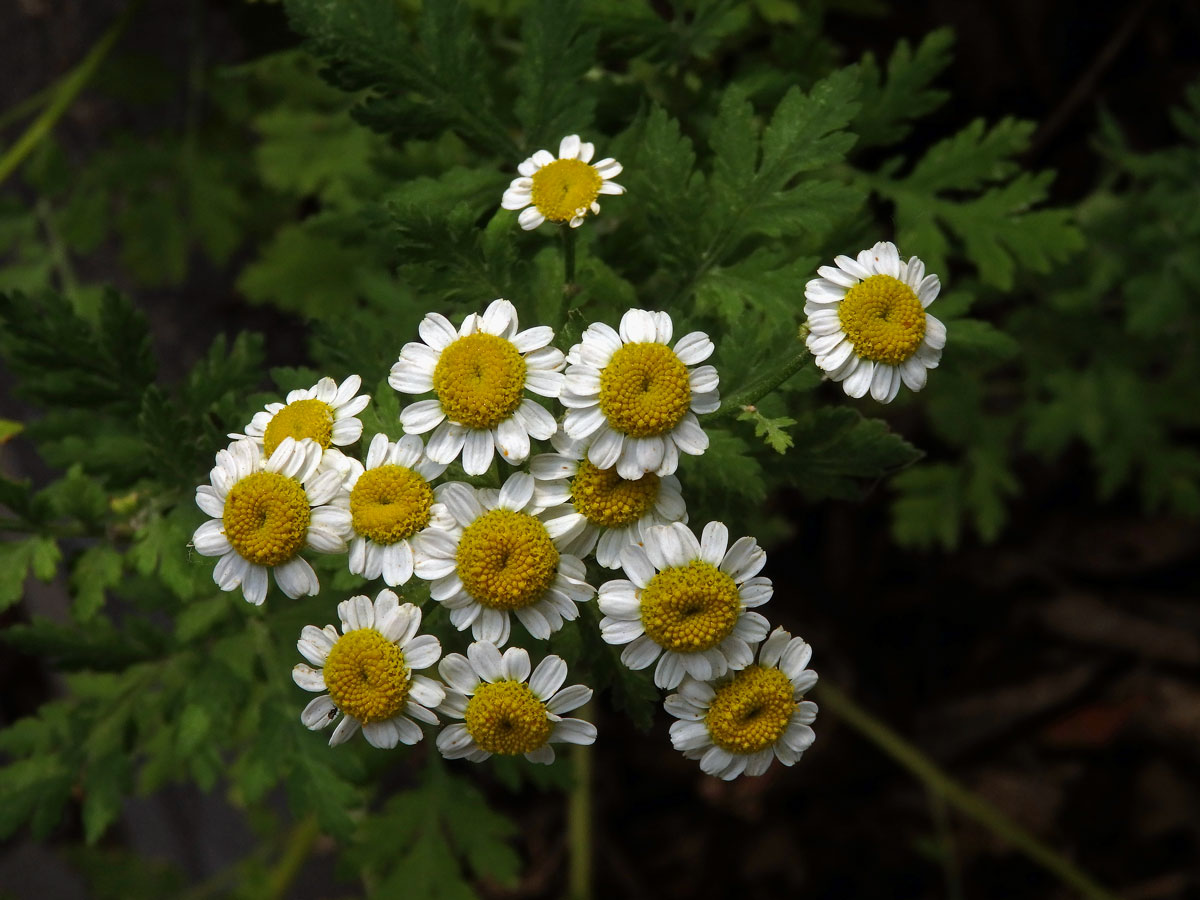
[388, 507]
[635, 396]
[598, 510]
[564, 189]
[736, 725]
[505, 709]
[868, 327]
[687, 603]
[479, 374]
[498, 557]
[326, 413]
[368, 672]
[265, 511]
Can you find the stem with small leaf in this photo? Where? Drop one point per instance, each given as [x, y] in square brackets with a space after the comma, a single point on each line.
[760, 387]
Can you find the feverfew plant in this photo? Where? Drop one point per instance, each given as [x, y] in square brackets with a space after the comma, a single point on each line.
[514, 394]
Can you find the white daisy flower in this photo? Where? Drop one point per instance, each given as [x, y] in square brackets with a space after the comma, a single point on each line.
[868, 327]
[687, 601]
[500, 556]
[737, 725]
[388, 506]
[369, 672]
[326, 413]
[265, 511]
[507, 711]
[638, 397]
[601, 510]
[563, 189]
[479, 374]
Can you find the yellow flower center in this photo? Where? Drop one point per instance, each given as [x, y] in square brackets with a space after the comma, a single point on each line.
[565, 189]
[507, 718]
[751, 712]
[690, 608]
[390, 503]
[479, 380]
[883, 319]
[644, 390]
[506, 559]
[302, 419]
[605, 498]
[366, 676]
[266, 518]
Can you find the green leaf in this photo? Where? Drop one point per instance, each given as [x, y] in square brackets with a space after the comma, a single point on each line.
[928, 509]
[554, 99]
[105, 783]
[17, 559]
[772, 431]
[890, 108]
[97, 569]
[968, 186]
[838, 453]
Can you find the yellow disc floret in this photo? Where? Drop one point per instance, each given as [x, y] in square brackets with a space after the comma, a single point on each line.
[479, 380]
[565, 189]
[605, 498]
[266, 518]
[366, 676]
[644, 390]
[751, 712]
[303, 419]
[506, 559]
[690, 608]
[390, 503]
[507, 718]
[883, 319]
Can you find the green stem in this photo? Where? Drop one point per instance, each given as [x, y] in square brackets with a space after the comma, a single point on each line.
[579, 819]
[28, 106]
[568, 242]
[295, 852]
[969, 804]
[58, 252]
[68, 89]
[760, 387]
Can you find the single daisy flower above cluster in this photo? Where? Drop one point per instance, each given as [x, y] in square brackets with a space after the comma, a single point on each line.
[497, 557]
[599, 511]
[564, 189]
[738, 724]
[636, 397]
[265, 511]
[368, 672]
[506, 710]
[326, 413]
[388, 507]
[686, 603]
[868, 327]
[479, 374]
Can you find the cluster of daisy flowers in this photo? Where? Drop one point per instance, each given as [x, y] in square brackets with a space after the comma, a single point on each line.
[617, 410]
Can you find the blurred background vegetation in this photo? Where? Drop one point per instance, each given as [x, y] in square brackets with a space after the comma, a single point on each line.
[1020, 603]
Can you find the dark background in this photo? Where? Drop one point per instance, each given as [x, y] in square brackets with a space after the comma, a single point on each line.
[1056, 672]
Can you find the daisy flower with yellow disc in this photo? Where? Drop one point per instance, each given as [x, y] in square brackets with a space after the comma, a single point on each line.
[686, 603]
[498, 558]
[738, 724]
[479, 374]
[506, 710]
[563, 189]
[867, 323]
[598, 510]
[326, 413]
[368, 672]
[636, 396]
[265, 511]
[388, 506]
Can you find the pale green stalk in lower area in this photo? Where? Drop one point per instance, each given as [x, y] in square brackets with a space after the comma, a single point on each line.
[579, 818]
[834, 701]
